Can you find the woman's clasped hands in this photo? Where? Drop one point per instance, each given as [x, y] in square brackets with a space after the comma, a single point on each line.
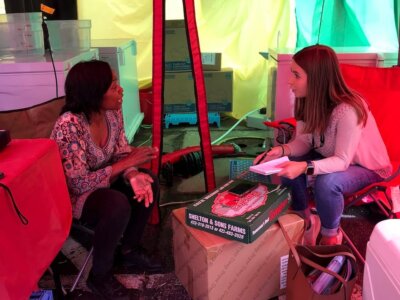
[142, 155]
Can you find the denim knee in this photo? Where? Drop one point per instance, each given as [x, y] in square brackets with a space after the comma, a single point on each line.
[329, 201]
[299, 192]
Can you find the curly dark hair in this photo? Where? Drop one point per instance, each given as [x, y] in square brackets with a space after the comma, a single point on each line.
[85, 86]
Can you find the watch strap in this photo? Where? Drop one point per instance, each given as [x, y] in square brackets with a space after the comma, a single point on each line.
[310, 168]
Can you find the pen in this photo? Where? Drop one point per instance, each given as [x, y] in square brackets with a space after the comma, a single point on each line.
[262, 157]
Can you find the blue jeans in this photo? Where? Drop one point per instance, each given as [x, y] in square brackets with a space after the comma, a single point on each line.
[328, 191]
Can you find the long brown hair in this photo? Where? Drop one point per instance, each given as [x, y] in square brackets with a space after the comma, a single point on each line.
[326, 89]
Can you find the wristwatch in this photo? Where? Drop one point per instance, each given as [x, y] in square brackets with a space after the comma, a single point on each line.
[310, 168]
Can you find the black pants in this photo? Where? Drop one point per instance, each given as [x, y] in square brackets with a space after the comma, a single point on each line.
[113, 214]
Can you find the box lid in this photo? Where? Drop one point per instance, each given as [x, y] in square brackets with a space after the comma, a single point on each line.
[30, 81]
[343, 53]
[385, 242]
[28, 64]
[113, 45]
[241, 217]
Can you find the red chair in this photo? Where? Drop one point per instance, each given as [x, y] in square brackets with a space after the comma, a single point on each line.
[381, 89]
[285, 129]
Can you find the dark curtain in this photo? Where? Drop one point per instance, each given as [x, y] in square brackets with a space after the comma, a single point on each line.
[64, 9]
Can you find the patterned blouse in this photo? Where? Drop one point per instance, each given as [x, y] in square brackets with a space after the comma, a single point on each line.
[87, 166]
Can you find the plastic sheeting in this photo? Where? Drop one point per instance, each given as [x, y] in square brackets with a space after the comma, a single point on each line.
[237, 29]
[241, 29]
[347, 23]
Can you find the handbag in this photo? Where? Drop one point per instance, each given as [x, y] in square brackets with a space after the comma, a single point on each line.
[311, 271]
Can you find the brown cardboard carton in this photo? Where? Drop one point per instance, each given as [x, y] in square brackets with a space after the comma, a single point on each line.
[176, 50]
[179, 94]
[210, 62]
[211, 267]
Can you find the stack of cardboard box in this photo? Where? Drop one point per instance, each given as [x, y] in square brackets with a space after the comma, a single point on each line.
[179, 96]
[211, 267]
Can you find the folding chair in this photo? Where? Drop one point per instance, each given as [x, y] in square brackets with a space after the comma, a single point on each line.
[381, 89]
[285, 129]
[54, 269]
[81, 228]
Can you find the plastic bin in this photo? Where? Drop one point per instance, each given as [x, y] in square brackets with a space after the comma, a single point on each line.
[69, 35]
[34, 17]
[382, 263]
[21, 39]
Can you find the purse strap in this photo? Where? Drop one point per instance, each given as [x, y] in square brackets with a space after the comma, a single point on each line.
[290, 243]
[344, 253]
[300, 258]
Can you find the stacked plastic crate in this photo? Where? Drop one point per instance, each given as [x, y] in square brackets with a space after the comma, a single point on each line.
[21, 34]
[69, 35]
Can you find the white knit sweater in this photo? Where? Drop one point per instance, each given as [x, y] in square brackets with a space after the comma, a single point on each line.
[345, 143]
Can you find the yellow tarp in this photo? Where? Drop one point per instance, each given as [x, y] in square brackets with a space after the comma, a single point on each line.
[237, 29]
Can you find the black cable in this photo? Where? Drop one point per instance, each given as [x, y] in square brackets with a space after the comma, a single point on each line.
[48, 46]
[23, 219]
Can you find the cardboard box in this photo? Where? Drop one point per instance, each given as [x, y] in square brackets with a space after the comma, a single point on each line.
[211, 267]
[242, 218]
[179, 96]
[210, 61]
[176, 50]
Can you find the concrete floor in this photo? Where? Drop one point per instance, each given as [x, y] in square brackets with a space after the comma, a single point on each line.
[177, 192]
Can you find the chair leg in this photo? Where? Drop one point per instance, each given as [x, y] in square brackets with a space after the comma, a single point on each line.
[78, 277]
[54, 270]
[352, 246]
[59, 291]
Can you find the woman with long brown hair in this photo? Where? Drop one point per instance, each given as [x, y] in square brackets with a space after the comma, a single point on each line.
[337, 141]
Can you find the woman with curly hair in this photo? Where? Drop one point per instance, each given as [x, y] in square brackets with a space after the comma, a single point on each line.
[109, 191]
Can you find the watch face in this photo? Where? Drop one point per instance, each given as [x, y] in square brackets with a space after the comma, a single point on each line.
[310, 168]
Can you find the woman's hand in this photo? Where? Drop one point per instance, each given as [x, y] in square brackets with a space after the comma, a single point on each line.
[141, 186]
[141, 155]
[273, 153]
[292, 169]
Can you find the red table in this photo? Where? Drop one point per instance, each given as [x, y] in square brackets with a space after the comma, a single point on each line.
[34, 174]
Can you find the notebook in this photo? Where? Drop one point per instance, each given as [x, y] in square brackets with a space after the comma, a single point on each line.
[269, 167]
